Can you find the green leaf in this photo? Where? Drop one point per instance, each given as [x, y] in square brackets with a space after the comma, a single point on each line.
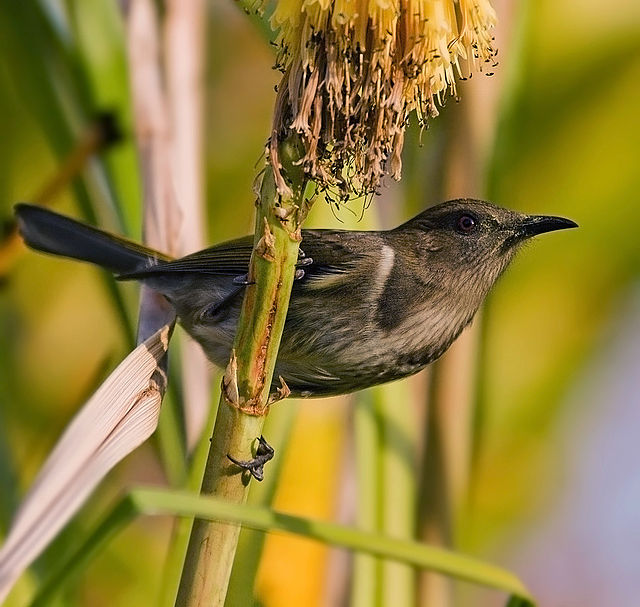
[518, 601]
[49, 78]
[165, 502]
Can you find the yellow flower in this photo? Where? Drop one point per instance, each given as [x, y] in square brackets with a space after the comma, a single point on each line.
[354, 70]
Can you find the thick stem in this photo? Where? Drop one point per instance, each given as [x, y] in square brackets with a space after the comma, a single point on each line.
[246, 384]
[212, 545]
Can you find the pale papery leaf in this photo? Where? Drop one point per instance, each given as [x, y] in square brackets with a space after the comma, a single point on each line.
[184, 41]
[121, 415]
[163, 218]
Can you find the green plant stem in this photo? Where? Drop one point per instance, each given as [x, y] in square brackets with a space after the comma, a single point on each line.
[247, 381]
[251, 543]
[212, 545]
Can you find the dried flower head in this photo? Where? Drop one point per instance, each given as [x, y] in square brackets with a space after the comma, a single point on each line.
[355, 69]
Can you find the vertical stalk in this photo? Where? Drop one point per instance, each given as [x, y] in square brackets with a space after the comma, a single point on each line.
[451, 397]
[160, 214]
[397, 494]
[184, 29]
[246, 384]
[278, 427]
[366, 581]
[452, 406]
[161, 219]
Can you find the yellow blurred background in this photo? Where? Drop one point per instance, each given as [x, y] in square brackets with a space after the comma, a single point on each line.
[554, 493]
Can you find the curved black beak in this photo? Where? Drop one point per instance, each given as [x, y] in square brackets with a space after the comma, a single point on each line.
[539, 224]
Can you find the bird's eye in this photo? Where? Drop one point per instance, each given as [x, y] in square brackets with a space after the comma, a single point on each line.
[466, 224]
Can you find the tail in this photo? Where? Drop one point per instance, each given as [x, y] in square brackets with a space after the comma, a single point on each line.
[51, 232]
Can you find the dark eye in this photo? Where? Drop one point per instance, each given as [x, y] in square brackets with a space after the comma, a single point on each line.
[466, 224]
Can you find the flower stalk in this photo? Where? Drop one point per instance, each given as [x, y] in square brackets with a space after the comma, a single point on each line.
[247, 383]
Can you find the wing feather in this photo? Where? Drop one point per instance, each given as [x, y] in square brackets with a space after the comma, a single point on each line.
[331, 253]
[227, 259]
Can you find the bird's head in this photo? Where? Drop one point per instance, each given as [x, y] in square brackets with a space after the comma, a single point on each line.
[470, 242]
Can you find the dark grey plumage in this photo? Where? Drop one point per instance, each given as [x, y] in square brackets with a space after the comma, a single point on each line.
[371, 307]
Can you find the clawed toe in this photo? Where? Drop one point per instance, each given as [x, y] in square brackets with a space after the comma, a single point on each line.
[255, 466]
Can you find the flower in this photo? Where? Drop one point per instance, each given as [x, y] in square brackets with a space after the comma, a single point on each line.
[354, 70]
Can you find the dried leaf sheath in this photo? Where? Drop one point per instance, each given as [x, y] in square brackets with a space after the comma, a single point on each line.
[121, 415]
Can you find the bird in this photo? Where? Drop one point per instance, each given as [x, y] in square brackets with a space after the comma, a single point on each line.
[366, 308]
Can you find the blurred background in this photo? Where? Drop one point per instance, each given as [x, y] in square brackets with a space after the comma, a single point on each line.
[521, 447]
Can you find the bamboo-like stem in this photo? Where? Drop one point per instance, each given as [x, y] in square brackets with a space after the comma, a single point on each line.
[184, 28]
[152, 126]
[366, 580]
[246, 384]
[451, 399]
[162, 218]
[278, 427]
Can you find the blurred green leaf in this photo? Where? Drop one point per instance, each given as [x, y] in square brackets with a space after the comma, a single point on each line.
[162, 502]
[366, 583]
[518, 601]
[182, 526]
[47, 74]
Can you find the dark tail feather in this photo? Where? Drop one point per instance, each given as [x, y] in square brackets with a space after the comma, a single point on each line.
[51, 232]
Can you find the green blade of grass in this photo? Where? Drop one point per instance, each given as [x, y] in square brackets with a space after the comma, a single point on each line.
[57, 96]
[153, 501]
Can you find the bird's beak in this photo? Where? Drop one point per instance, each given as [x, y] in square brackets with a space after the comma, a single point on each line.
[539, 224]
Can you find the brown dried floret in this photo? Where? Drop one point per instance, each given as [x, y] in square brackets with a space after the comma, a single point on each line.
[354, 70]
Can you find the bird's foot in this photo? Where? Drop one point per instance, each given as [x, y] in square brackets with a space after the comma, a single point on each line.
[303, 262]
[255, 466]
[281, 392]
[243, 281]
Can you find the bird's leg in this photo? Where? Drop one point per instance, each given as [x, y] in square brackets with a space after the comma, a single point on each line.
[302, 262]
[255, 466]
[265, 451]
